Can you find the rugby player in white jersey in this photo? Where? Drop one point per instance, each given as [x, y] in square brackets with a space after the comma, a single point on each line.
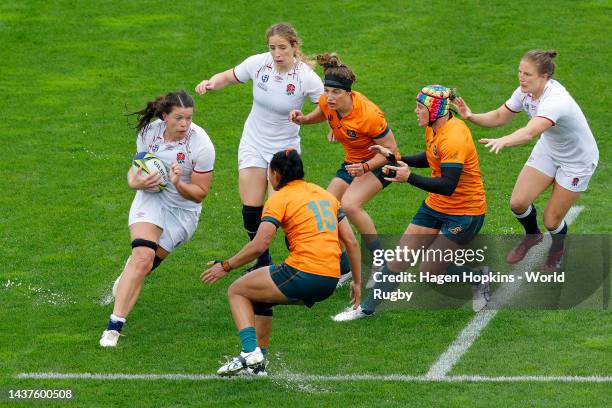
[161, 222]
[283, 79]
[565, 156]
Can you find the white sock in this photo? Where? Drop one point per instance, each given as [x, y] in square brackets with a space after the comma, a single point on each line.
[559, 228]
[525, 214]
[117, 318]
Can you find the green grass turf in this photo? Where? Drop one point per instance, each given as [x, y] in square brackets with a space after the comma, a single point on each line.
[71, 69]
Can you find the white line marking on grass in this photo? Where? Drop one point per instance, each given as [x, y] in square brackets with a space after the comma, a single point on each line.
[458, 347]
[314, 378]
[470, 333]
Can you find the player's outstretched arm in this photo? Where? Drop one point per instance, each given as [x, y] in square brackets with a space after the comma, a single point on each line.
[217, 82]
[256, 247]
[495, 118]
[534, 127]
[297, 117]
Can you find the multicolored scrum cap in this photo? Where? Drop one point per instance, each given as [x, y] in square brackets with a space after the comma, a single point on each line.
[437, 100]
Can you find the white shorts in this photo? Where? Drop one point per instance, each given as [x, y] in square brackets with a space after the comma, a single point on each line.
[178, 224]
[252, 156]
[574, 179]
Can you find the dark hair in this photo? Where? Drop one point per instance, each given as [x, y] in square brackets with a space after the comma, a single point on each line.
[332, 66]
[288, 164]
[287, 31]
[160, 105]
[543, 60]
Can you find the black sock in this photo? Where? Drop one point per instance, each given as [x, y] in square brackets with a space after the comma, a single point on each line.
[251, 218]
[529, 220]
[115, 323]
[558, 237]
[373, 244]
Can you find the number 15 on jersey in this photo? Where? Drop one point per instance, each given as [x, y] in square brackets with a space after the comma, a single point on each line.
[324, 216]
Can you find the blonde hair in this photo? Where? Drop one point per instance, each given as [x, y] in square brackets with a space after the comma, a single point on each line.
[543, 60]
[287, 32]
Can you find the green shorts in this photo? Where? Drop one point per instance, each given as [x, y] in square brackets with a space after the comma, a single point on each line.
[304, 286]
[346, 177]
[459, 228]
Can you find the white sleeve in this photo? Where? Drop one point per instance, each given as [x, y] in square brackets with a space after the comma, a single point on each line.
[313, 86]
[247, 69]
[205, 157]
[141, 143]
[552, 108]
[515, 103]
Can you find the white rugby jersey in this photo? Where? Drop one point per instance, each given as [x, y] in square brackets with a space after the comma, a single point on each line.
[569, 140]
[275, 94]
[195, 153]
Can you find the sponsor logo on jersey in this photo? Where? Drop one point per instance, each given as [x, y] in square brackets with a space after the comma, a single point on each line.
[435, 151]
[154, 148]
[265, 78]
[456, 230]
[180, 157]
[262, 87]
[575, 181]
[290, 89]
[278, 78]
[351, 133]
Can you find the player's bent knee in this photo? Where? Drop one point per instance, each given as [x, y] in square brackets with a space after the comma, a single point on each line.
[350, 207]
[143, 255]
[552, 220]
[234, 289]
[142, 264]
[518, 204]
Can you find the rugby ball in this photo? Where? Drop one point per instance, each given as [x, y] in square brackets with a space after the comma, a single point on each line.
[148, 163]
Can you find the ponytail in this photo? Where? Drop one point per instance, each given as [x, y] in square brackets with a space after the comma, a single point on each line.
[332, 66]
[288, 164]
[543, 60]
[160, 105]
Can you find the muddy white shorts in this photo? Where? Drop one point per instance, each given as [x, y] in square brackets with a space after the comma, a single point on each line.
[178, 224]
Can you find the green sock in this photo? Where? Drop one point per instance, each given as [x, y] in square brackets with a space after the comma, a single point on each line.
[248, 339]
[370, 304]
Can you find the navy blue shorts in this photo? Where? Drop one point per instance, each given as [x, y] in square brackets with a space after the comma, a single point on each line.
[348, 179]
[304, 286]
[458, 228]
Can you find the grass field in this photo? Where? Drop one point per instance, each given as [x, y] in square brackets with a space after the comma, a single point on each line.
[72, 69]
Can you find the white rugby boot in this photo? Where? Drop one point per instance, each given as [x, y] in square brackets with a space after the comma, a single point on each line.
[257, 370]
[109, 338]
[241, 362]
[350, 314]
